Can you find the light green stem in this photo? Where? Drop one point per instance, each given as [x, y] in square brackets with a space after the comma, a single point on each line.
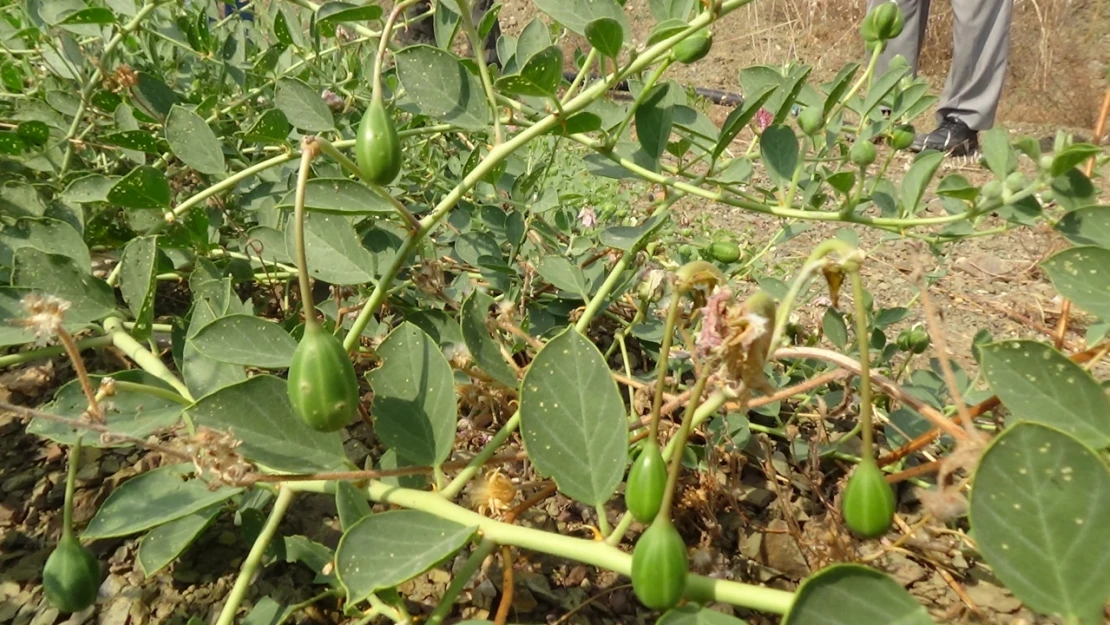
[859, 85]
[678, 444]
[330, 150]
[586, 65]
[592, 552]
[864, 360]
[19, 358]
[71, 487]
[483, 71]
[307, 154]
[459, 582]
[136, 352]
[662, 365]
[254, 558]
[812, 264]
[154, 391]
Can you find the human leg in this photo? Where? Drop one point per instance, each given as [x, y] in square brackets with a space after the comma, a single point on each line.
[973, 89]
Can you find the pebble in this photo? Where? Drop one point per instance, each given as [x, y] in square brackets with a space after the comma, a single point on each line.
[45, 617]
[781, 552]
[19, 482]
[110, 465]
[988, 595]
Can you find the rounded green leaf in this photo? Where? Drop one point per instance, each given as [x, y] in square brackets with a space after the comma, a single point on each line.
[442, 87]
[483, 347]
[142, 187]
[192, 141]
[607, 35]
[1079, 274]
[414, 407]
[1089, 225]
[341, 196]
[383, 550]
[1040, 385]
[853, 594]
[246, 340]
[572, 418]
[163, 544]
[153, 498]
[1040, 514]
[303, 106]
[90, 298]
[333, 250]
[779, 148]
[137, 282]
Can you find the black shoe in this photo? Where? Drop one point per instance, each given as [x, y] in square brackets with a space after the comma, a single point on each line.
[951, 136]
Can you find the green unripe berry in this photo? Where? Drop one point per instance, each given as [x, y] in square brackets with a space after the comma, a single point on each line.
[322, 384]
[724, 251]
[863, 153]
[693, 48]
[902, 136]
[868, 502]
[647, 481]
[992, 189]
[71, 576]
[1015, 181]
[659, 566]
[811, 120]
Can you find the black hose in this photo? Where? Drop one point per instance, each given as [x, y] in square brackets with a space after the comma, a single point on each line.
[723, 98]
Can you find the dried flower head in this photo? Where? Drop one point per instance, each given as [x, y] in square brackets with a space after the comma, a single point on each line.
[494, 493]
[45, 316]
[737, 334]
[587, 217]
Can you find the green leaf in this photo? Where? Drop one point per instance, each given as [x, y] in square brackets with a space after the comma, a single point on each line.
[340, 196]
[414, 407]
[1079, 274]
[563, 275]
[21, 200]
[654, 119]
[917, 180]
[333, 13]
[1089, 225]
[778, 148]
[572, 419]
[1040, 515]
[34, 132]
[838, 86]
[446, 24]
[1071, 156]
[138, 270]
[955, 185]
[163, 544]
[576, 15]
[333, 250]
[539, 77]
[133, 414]
[11, 143]
[257, 412]
[442, 88]
[140, 140]
[142, 187]
[192, 141]
[281, 28]
[153, 498]
[387, 549]
[663, 10]
[1039, 384]
[302, 106]
[153, 96]
[851, 594]
[270, 127]
[46, 235]
[834, 327]
[92, 15]
[351, 504]
[692, 614]
[90, 298]
[88, 189]
[629, 238]
[882, 86]
[484, 349]
[247, 341]
[607, 35]
[997, 151]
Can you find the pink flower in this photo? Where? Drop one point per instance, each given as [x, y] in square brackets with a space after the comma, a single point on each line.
[587, 217]
[714, 325]
[763, 119]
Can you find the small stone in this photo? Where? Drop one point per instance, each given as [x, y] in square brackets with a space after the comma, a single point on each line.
[758, 497]
[483, 595]
[439, 577]
[109, 465]
[19, 482]
[523, 600]
[905, 570]
[781, 552]
[88, 472]
[116, 613]
[46, 617]
[987, 595]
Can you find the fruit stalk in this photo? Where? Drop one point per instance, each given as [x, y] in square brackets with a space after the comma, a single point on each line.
[664, 358]
[71, 487]
[680, 444]
[308, 152]
[254, 558]
[863, 336]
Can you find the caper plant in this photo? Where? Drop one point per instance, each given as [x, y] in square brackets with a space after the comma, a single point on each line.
[371, 231]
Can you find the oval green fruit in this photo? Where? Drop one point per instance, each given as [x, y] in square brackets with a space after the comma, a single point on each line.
[862, 153]
[693, 48]
[71, 576]
[322, 385]
[888, 21]
[647, 480]
[724, 251]
[903, 341]
[659, 566]
[992, 189]
[902, 136]
[810, 120]
[919, 340]
[868, 501]
[377, 145]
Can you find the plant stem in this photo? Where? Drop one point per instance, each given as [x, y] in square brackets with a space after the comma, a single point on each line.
[662, 365]
[461, 579]
[856, 87]
[864, 360]
[483, 71]
[679, 444]
[592, 552]
[134, 350]
[813, 263]
[254, 558]
[582, 73]
[94, 80]
[647, 86]
[51, 350]
[327, 148]
[154, 391]
[308, 152]
[71, 487]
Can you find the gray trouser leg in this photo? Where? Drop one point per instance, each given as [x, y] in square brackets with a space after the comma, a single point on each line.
[981, 49]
